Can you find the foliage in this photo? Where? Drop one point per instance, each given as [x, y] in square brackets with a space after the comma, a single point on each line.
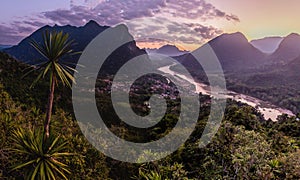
[40, 159]
[88, 161]
[245, 146]
[55, 47]
[250, 154]
[161, 172]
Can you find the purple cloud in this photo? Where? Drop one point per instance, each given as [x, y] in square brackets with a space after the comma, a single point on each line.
[111, 12]
[168, 31]
[9, 35]
[115, 11]
[207, 32]
[194, 9]
[107, 12]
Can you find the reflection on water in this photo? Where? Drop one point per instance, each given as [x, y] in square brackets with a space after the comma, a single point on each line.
[266, 108]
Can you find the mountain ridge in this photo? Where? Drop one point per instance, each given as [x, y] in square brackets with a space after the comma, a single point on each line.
[236, 52]
[82, 36]
[267, 44]
[288, 49]
[168, 49]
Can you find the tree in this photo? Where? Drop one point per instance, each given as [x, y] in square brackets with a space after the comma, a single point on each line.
[42, 159]
[251, 154]
[54, 48]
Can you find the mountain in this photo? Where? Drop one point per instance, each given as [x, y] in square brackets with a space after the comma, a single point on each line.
[288, 50]
[267, 44]
[286, 75]
[234, 52]
[293, 67]
[82, 36]
[168, 50]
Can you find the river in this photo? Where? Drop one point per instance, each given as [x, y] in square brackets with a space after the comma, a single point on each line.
[269, 110]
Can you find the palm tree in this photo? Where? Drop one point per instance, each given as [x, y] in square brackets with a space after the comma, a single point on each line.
[42, 159]
[54, 47]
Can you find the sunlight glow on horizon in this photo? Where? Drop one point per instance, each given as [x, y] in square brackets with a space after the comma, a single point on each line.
[261, 19]
[258, 19]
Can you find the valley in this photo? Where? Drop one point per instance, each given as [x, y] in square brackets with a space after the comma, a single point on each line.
[269, 110]
[258, 137]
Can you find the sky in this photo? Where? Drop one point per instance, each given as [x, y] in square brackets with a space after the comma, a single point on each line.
[185, 23]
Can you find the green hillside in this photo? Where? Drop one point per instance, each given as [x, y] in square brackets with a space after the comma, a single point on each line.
[245, 147]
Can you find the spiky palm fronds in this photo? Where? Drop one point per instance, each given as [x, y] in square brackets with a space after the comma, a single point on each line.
[40, 159]
[55, 46]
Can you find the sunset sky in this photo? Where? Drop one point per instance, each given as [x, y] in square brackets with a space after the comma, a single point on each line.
[188, 24]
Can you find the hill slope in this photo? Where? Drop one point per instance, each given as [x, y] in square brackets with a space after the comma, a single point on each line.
[267, 44]
[82, 36]
[288, 50]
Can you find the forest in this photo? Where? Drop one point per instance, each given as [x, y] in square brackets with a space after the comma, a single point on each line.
[245, 147]
[41, 138]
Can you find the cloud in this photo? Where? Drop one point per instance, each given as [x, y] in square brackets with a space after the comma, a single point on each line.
[194, 9]
[9, 35]
[106, 12]
[155, 18]
[207, 32]
[168, 30]
[111, 12]
[75, 16]
[14, 32]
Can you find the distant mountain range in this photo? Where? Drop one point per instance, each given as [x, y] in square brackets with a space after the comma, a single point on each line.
[288, 50]
[235, 52]
[272, 77]
[255, 68]
[169, 50]
[267, 44]
[82, 36]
